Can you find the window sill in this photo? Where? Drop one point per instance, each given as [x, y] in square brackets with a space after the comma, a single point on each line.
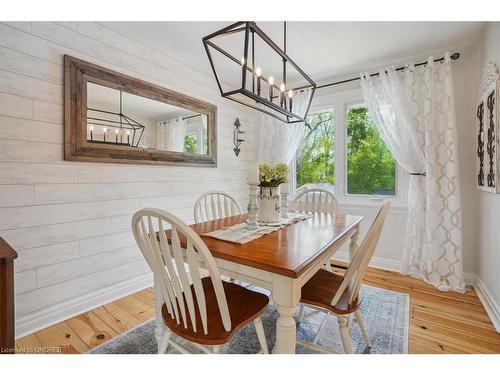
[396, 207]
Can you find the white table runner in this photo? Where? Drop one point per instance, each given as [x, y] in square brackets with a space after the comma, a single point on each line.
[238, 233]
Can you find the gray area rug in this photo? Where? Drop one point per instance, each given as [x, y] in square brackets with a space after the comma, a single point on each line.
[386, 314]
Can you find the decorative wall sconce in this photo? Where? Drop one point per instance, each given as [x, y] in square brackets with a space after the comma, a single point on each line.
[237, 137]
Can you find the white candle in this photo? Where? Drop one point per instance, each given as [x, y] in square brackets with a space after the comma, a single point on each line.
[282, 95]
[271, 83]
[253, 175]
[258, 72]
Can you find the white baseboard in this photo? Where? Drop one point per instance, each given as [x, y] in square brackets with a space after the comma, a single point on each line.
[489, 303]
[395, 265]
[376, 262]
[48, 316]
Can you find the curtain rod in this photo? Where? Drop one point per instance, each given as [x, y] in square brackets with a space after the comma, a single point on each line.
[453, 56]
[192, 116]
[187, 117]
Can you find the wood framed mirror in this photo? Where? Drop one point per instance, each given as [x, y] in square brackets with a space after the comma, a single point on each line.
[111, 117]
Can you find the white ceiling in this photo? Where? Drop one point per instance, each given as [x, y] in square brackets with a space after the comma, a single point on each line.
[322, 49]
[108, 99]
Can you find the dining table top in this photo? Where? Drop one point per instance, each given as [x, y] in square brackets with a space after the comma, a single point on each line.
[288, 251]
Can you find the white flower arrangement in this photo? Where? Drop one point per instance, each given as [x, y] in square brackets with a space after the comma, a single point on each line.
[272, 175]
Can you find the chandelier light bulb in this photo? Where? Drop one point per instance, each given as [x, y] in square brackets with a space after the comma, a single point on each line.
[91, 128]
[266, 88]
[271, 88]
[116, 131]
[128, 132]
[104, 130]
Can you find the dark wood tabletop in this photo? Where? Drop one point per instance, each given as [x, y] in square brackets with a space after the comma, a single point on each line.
[288, 251]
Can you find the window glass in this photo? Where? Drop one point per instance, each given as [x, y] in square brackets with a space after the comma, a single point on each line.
[316, 157]
[371, 168]
[191, 143]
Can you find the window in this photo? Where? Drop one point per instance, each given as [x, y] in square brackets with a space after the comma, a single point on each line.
[191, 143]
[344, 152]
[371, 168]
[315, 161]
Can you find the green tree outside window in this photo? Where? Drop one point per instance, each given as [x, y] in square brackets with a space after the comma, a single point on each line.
[371, 168]
[191, 144]
[316, 158]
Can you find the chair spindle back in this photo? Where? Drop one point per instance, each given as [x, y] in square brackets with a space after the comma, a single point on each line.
[215, 205]
[357, 267]
[312, 200]
[165, 257]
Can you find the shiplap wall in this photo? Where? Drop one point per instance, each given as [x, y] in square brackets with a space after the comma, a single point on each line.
[70, 222]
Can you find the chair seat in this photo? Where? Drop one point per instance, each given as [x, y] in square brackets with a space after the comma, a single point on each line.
[320, 290]
[244, 306]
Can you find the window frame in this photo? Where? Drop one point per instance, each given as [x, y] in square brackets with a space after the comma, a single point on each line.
[338, 102]
[293, 168]
[373, 197]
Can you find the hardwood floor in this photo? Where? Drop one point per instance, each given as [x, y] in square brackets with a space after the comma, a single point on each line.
[439, 322]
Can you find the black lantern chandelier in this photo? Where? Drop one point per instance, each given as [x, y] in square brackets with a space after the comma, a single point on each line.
[251, 69]
[128, 132]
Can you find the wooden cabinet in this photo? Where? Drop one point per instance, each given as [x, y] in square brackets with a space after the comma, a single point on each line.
[7, 336]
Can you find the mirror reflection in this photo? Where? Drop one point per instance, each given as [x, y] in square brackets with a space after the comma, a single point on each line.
[120, 118]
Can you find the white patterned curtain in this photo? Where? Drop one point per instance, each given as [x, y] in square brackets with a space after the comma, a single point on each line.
[171, 134]
[279, 141]
[149, 136]
[414, 111]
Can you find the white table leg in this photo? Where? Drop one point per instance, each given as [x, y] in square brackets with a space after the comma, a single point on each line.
[353, 246]
[286, 296]
[160, 324]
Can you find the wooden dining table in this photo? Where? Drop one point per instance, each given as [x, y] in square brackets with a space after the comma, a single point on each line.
[281, 262]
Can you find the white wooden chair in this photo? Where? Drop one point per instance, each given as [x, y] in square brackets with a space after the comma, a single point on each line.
[339, 295]
[314, 200]
[206, 310]
[215, 205]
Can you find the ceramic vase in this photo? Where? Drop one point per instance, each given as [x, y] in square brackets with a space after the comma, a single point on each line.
[269, 204]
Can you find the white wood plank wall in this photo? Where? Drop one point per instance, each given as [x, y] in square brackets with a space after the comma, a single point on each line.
[70, 222]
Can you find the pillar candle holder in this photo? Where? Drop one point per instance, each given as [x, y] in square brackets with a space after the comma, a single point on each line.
[284, 205]
[253, 208]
